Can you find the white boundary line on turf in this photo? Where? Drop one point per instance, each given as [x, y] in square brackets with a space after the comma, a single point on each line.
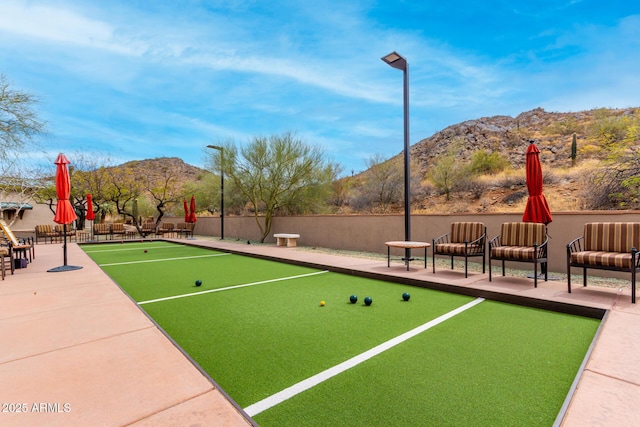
[137, 248]
[232, 287]
[310, 382]
[160, 260]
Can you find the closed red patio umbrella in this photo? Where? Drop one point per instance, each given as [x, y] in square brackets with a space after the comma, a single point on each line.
[187, 216]
[537, 209]
[65, 214]
[192, 215]
[90, 213]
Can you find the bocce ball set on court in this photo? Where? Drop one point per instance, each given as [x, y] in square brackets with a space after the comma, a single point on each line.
[353, 298]
[368, 300]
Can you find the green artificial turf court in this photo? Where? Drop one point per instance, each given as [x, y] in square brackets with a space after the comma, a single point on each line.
[166, 269]
[257, 328]
[475, 369]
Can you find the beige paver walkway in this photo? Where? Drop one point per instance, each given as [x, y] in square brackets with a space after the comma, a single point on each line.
[76, 351]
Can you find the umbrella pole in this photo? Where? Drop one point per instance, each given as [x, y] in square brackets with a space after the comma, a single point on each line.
[64, 247]
[64, 267]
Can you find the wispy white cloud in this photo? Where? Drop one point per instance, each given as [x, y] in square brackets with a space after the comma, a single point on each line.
[345, 70]
[184, 44]
[162, 77]
[52, 24]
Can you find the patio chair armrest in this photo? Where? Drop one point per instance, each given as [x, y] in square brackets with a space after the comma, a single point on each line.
[575, 245]
[479, 241]
[442, 239]
[495, 242]
[476, 247]
[541, 250]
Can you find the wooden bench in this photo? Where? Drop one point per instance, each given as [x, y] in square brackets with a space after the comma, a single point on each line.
[521, 242]
[284, 239]
[45, 231]
[185, 229]
[166, 228]
[148, 228]
[101, 230]
[60, 229]
[118, 229]
[467, 239]
[606, 246]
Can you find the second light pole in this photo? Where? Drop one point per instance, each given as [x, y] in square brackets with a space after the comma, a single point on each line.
[397, 61]
[217, 147]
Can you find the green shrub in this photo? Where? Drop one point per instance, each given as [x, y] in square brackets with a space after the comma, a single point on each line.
[447, 171]
[483, 162]
[566, 126]
[608, 129]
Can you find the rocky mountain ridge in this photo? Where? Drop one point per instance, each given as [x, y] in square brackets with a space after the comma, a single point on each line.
[177, 166]
[552, 131]
[510, 136]
[566, 182]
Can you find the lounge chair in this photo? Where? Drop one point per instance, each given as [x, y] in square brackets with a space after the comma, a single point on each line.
[606, 246]
[6, 257]
[521, 242]
[21, 248]
[466, 239]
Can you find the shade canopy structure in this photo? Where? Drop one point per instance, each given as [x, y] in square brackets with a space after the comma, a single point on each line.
[537, 209]
[65, 214]
[192, 210]
[5, 206]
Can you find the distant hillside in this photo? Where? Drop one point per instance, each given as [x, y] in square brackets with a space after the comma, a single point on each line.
[510, 136]
[184, 170]
[567, 187]
[566, 184]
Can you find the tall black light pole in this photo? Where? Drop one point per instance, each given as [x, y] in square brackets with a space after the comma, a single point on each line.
[217, 147]
[397, 61]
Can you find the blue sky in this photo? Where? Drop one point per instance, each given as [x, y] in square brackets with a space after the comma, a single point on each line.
[136, 79]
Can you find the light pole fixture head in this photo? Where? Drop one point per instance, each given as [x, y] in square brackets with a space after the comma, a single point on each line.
[396, 60]
[215, 147]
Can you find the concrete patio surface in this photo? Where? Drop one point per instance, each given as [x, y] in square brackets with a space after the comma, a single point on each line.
[76, 351]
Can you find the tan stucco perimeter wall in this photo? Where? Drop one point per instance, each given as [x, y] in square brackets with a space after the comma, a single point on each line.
[369, 232]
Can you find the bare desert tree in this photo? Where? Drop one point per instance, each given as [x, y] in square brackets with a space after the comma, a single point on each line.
[20, 128]
[278, 174]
